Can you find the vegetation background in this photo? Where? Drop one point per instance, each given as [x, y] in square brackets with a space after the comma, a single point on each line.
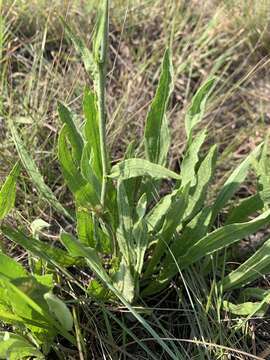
[38, 66]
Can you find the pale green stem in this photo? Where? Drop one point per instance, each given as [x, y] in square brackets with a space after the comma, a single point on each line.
[102, 130]
[101, 57]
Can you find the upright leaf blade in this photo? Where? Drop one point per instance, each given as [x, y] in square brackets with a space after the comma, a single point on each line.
[84, 192]
[91, 130]
[233, 182]
[8, 191]
[73, 134]
[172, 220]
[124, 232]
[196, 110]
[203, 179]
[59, 309]
[156, 136]
[191, 158]
[82, 50]
[124, 282]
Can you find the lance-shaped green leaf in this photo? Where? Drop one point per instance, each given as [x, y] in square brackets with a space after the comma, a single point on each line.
[172, 220]
[234, 181]
[34, 172]
[91, 130]
[223, 237]
[204, 176]
[246, 208]
[133, 185]
[10, 268]
[85, 227]
[141, 207]
[155, 217]
[88, 172]
[83, 191]
[247, 308]
[100, 42]
[140, 236]
[13, 346]
[59, 309]
[194, 231]
[124, 232]
[8, 191]
[73, 134]
[131, 168]
[124, 282]
[252, 293]
[82, 50]
[39, 248]
[196, 110]
[35, 313]
[253, 268]
[191, 158]
[77, 249]
[156, 135]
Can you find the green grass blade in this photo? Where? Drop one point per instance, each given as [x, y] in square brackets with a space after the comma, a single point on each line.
[8, 191]
[253, 268]
[34, 173]
[156, 135]
[77, 249]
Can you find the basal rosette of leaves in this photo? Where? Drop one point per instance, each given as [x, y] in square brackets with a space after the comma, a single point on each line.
[121, 219]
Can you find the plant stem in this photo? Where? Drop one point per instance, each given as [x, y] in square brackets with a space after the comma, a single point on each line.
[101, 58]
[102, 130]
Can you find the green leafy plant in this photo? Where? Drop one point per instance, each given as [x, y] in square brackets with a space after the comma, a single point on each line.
[27, 302]
[133, 239]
